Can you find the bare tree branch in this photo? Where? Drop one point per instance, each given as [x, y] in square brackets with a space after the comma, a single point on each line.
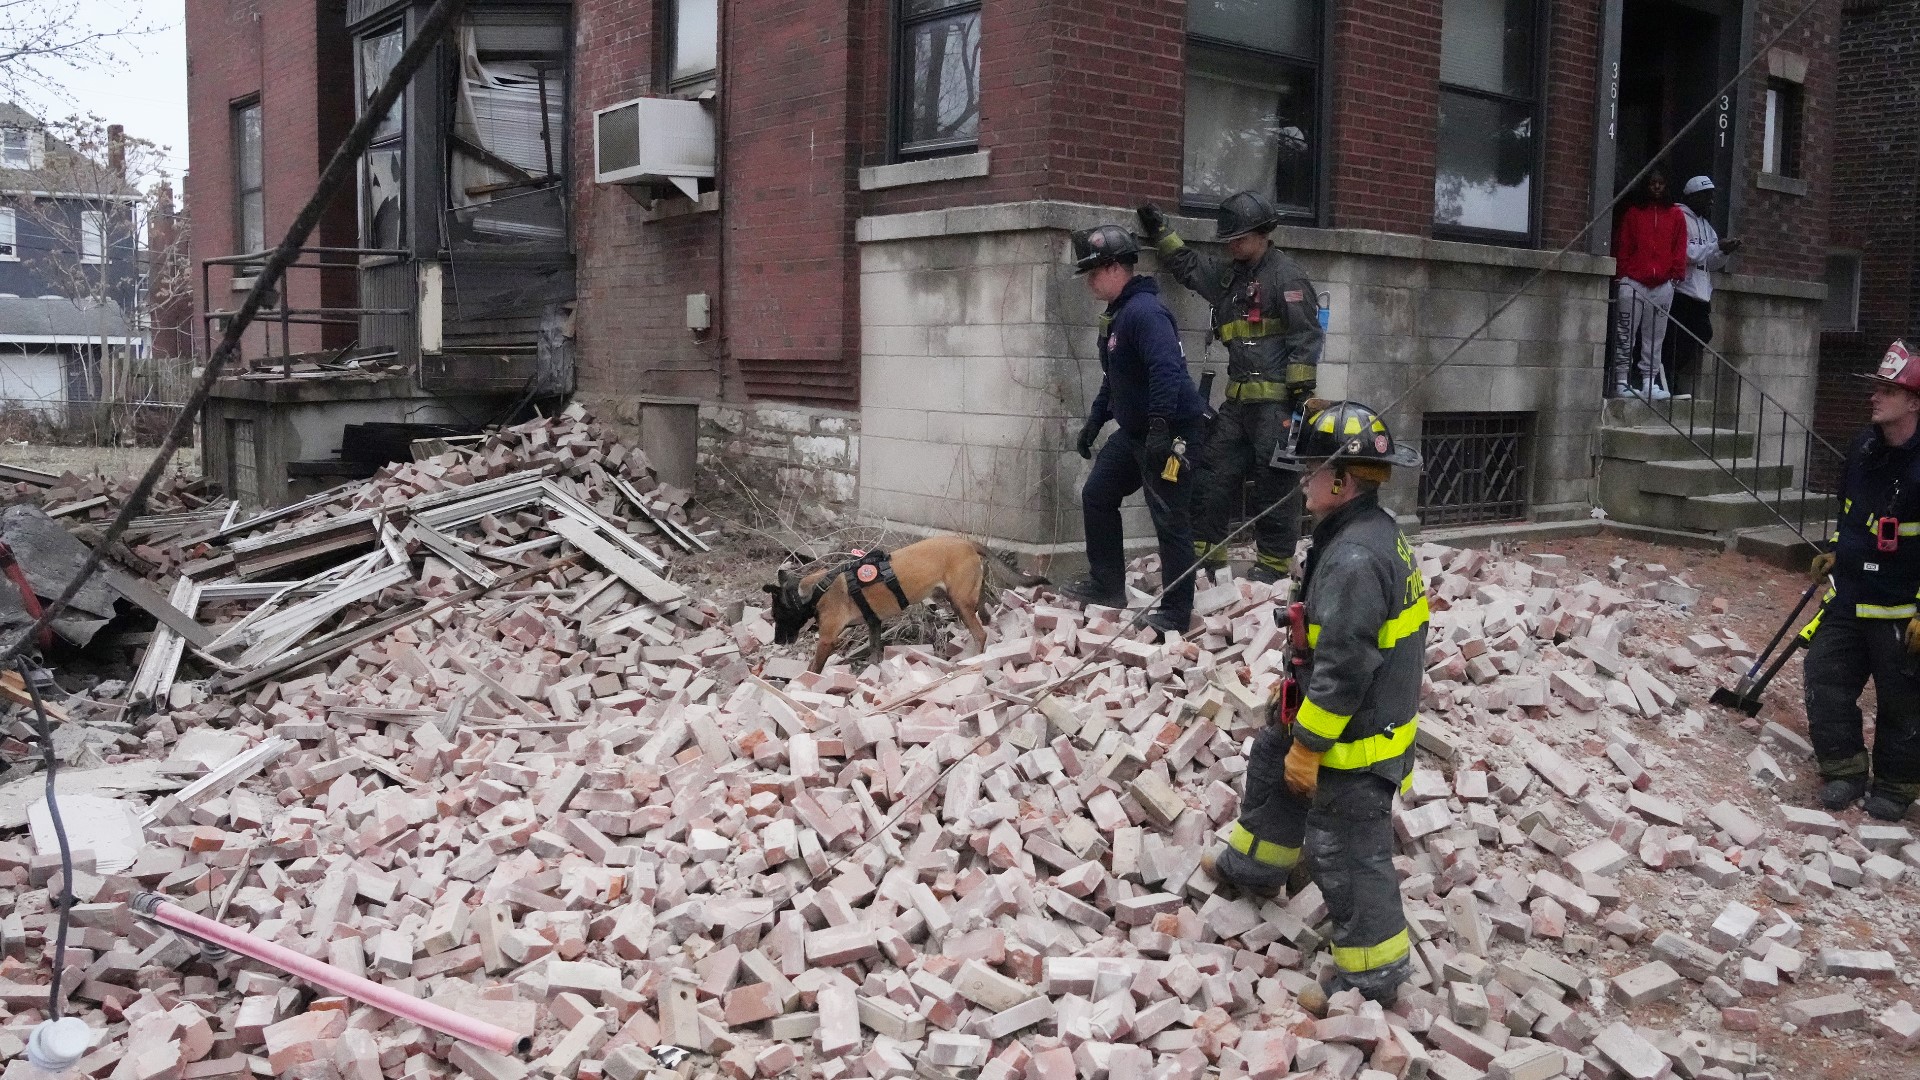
[41, 41]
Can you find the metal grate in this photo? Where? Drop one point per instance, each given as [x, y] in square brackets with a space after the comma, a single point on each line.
[1474, 467]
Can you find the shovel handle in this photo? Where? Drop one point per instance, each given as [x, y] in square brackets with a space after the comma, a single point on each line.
[1782, 632]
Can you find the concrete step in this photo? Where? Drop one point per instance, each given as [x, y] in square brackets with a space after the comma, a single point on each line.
[1649, 442]
[1637, 412]
[1731, 512]
[1702, 477]
[1780, 545]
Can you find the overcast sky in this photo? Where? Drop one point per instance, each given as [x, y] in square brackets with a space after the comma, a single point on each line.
[145, 89]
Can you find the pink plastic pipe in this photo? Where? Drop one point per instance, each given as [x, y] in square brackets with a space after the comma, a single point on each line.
[366, 991]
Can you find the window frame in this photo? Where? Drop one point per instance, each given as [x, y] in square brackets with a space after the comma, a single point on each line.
[26, 146]
[685, 85]
[236, 114]
[392, 141]
[94, 237]
[897, 112]
[1783, 157]
[9, 234]
[1537, 103]
[1321, 64]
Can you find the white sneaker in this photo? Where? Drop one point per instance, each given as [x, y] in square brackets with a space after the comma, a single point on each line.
[1659, 393]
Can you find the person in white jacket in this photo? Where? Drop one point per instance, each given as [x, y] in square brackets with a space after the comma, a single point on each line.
[1693, 294]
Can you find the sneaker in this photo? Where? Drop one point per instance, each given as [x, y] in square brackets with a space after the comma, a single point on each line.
[1160, 619]
[1886, 807]
[1089, 593]
[1659, 393]
[1843, 792]
[1620, 391]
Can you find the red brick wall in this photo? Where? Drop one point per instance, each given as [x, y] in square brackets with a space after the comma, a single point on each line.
[1572, 80]
[240, 47]
[634, 276]
[1385, 86]
[1786, 234]
[1875, 207]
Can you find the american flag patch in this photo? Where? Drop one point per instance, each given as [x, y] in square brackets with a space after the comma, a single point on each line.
[1294, 296]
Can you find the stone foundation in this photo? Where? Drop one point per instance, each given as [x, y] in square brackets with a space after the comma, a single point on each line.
[798, 460]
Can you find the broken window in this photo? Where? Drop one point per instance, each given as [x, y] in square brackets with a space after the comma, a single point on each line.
[383, 169]
[507, 152]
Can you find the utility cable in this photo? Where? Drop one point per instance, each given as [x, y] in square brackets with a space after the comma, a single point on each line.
[339, 170]
[64, 902]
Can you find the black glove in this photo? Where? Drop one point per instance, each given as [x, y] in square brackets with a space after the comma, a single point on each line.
[1152, 220]
[1300, 400]
[1158, 447]
[1088, 433]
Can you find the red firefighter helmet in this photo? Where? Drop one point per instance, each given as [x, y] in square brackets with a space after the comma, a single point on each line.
[1899, 368]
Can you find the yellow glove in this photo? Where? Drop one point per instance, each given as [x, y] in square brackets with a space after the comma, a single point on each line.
[1913, 636]
[1821, 566]
[1303, 769]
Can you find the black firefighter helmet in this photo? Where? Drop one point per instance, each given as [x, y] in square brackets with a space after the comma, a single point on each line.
[1244, 212]
[1349, 431]
[1102, 245]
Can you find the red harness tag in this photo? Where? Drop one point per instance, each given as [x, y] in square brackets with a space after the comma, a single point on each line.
[868, 574]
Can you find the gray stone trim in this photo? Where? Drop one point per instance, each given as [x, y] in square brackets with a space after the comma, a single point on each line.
[1065, 216]
[1770, 286]
[679, 206]
[1786, 185]
[926, 171]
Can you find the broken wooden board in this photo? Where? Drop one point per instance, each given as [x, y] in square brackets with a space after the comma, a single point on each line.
[597, 547]
[144, 596]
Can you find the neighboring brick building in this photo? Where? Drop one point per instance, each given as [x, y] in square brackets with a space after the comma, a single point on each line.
[1874, 265]
[868, 291]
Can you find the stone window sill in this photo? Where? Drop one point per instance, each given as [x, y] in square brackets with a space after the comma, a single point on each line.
[678, 207]
[928, 171]
[1784, 184]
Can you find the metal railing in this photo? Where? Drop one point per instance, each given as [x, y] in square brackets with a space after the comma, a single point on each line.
[1746, 432]
[283, 314]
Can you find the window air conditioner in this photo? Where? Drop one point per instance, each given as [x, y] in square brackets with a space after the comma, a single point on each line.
[653, 139]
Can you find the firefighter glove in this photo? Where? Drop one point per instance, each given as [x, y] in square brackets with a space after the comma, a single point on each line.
[1821, 566]
[1159, 445]
[1088, 434]
[1913, 636]
[1303, 769]
[1152, 220]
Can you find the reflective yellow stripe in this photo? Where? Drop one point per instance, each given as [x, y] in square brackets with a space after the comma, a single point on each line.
[1882, 611]
[1313, 635]
[1301, 374]
[1256, 389]
[1321, 722]
[1170, 243]
[1369, 957]
[1261, 851]
[1243, 330]
[1910, 528]
[1404, 624]
[1373, 749]
[1275, 563]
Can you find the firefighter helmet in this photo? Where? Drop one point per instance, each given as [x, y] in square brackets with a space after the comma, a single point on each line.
[1103, 245]
[1244, 212]
[1349, 431]
[1898, 369]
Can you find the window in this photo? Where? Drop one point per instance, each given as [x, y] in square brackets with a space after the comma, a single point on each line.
[16, 149]
[1475, 467]
[383, 168]
[507, 151]
[1489, 112]
[938, 60]
[1780, 148]
[93, 236]
[243, 463]
[696, 43]
[249, 200]
[1841, 312]
[1253, 80]
[9, 224]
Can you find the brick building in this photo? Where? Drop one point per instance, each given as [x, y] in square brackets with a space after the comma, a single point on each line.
[1873, 269]
[864, 282]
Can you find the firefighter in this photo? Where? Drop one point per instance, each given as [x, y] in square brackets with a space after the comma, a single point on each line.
[1323, 773]
[1866, 628]
[1266, 313]
[1145, 390]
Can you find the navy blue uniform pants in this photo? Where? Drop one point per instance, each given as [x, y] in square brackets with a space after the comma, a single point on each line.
[1118, 472]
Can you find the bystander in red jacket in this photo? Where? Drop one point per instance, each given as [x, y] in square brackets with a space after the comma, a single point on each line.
[1650, 243]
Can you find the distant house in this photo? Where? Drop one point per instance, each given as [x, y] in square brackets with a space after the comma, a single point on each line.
[68, 266]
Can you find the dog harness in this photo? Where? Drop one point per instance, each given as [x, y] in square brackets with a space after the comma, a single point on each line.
[868, 569]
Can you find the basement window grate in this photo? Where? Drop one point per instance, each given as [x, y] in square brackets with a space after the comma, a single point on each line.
[1474, 467]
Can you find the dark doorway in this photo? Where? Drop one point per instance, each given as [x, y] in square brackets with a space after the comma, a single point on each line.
[1673, 56]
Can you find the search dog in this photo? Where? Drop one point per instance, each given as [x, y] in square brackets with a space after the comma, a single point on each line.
[955, 564]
